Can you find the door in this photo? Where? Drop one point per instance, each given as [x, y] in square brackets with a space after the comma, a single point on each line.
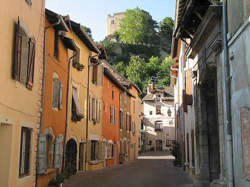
[71, 154]
[5, 136]
[158, 145]
[104, 152]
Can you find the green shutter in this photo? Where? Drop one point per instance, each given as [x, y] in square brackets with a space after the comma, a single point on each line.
[41, 157]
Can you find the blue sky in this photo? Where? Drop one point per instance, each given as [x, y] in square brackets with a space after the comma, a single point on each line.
[93, 13]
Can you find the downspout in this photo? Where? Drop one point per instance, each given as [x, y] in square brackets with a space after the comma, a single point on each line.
[43, 83]
[67, 103]
[227, 107]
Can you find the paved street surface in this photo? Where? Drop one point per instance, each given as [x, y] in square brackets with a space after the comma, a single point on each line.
[150, 170]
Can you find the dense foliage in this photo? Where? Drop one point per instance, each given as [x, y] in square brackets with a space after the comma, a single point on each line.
[137, 26]
[141, 52]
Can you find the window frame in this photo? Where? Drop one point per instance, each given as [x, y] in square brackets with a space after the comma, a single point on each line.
[27, 163]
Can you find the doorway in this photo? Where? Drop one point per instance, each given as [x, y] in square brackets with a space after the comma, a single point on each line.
[5, 136]
[158, 145]
[71, 156]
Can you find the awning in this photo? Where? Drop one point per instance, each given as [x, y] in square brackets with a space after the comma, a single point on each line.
[69, 43]
[79, 111]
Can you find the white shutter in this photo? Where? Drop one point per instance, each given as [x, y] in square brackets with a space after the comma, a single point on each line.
[42, 152]
[58, 152]
[60, 95]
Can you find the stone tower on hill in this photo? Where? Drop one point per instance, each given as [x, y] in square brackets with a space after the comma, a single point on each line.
[113, 22]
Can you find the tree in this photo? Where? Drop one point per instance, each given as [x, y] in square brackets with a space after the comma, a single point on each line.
[121, 68]
[166, 27]
[137, 26]
[136, 71]
[164, 72]
[88, 31]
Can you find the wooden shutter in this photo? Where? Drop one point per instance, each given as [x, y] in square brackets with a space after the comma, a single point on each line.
[55, 94]
[31, 63]
[42, 152]
[130, 123]
[89, 150]
[115, 116]
[100, 151]
[90, 108]
[60, 96]
[188, 85]
[24, 60]
[18, 51]
[58, 152]
[111, 114]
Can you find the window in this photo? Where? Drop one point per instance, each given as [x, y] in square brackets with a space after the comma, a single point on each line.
[142, 126]
[150, 142]
[158, 109]
[112, 21]
[76, 54]
[113, 117]
[112, 150]
[24, 59]
[94, 74]
[24, 164]
[56, 42]
[150, 113]
[76, 110]
[94, 149]
[113, 92]
[158, 126]
[127, 122]
[120, 119]
[57, 94]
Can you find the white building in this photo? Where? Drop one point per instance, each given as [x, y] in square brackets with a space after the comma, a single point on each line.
[159, 118]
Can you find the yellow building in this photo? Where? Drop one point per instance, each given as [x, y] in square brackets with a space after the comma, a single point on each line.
[135, 109]
[21, 73]
[76, 144]
[95, 150]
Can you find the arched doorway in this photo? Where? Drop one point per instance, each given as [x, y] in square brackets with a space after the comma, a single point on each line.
[71, 155]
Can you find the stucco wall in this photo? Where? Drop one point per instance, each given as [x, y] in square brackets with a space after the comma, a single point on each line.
[18, 105]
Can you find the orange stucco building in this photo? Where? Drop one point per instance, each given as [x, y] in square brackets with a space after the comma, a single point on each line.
[52, 134]
[110, 125]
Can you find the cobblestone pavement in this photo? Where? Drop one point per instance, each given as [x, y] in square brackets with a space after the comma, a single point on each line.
[150, 170]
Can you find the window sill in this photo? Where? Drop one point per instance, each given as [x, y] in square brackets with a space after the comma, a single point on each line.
[94, 162]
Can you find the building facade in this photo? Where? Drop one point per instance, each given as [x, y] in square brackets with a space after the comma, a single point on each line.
[215, 145]
[20, 100]
[159, 119]
[113, 22]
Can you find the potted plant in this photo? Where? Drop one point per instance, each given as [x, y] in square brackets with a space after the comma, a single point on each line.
[57, 181]
[80, 67]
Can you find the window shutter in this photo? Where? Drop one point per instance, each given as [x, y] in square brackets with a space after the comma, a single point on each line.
[96, 110]
[42, 151]
[24, 60]
[58, 152]
[100, 153]
[18, 52]
[89, 151]
[31, 63]
[90, 108]
[130, 124]
[111, 114]
[115, 116]
[55, 93]
[60, 95]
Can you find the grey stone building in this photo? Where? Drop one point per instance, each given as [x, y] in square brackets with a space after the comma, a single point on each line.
[214, 145]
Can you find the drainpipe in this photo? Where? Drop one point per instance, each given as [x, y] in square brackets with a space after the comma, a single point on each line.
[67, 103]
[227, 107]
[43, 83]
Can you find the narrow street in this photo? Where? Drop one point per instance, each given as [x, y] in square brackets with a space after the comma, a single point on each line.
[150, 170]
